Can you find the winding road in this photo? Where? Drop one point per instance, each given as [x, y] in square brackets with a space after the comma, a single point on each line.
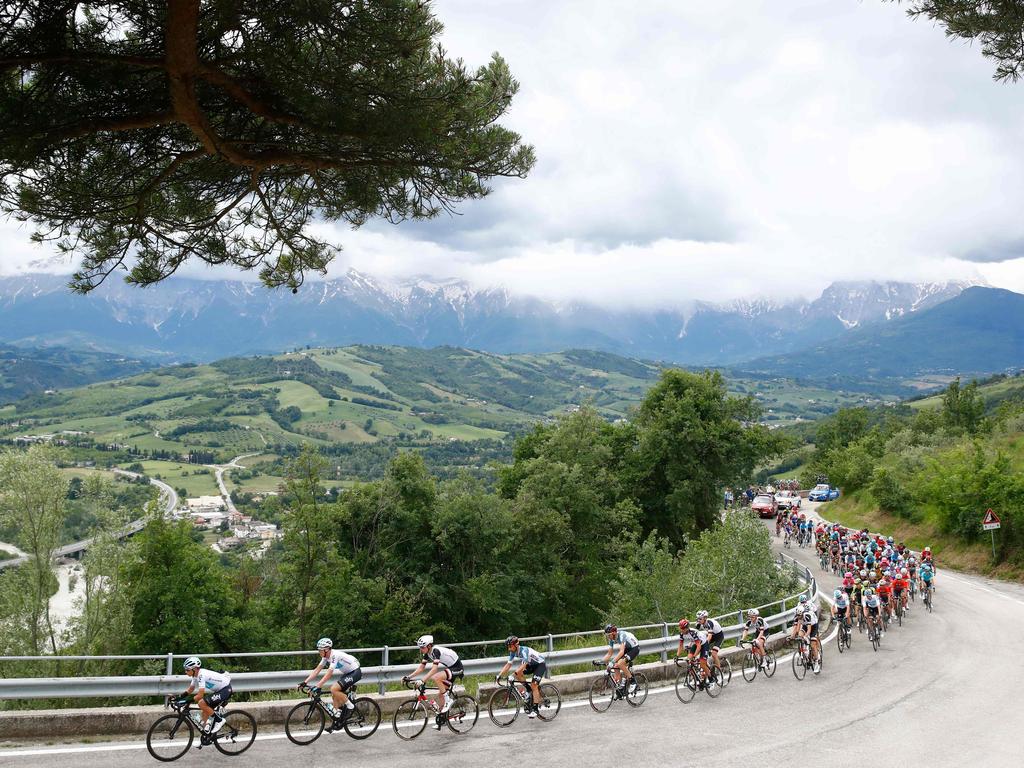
[943, 689]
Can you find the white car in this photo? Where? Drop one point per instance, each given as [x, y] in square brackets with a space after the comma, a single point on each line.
[788, 499]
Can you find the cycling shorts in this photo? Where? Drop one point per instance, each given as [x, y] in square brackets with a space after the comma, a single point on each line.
[348, 681]
[884, 599]
[812, 631]
[454, 672]
[538, 670]
[632, 653]
[218, 698]
[873, 610]
[716, 641]
[703, 652]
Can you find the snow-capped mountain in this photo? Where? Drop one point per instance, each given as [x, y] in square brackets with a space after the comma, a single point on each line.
[205, 320]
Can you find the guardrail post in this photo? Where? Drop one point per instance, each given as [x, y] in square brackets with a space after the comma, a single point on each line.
[170, 663]
[385, 657]
[664, 635]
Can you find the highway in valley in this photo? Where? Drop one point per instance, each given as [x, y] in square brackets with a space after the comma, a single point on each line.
[943, 689]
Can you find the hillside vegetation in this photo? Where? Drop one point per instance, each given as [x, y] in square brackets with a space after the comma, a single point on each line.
[930, 471]
[24, 371]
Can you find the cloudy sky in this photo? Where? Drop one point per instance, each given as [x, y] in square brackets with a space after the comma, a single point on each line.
[724, 149]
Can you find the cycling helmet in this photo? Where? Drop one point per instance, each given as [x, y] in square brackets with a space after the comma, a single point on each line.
[511, 640]
[192, 662]
[928, 549]
[610, 629]
[684, 624]
[702, 615]
[848, 575]
[753, 613]
[890, 540]
[803, 601]
[869, 591]
[863, 573]
[424, 640]
[904, 572]
[837, 593]
[324, 642]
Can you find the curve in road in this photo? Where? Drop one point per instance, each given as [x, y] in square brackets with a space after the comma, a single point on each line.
[942, 689]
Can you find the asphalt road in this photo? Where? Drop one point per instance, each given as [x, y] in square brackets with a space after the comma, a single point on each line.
[942, 690]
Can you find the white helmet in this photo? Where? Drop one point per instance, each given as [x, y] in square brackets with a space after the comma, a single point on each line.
[324, 642]
[424, 640]
[753, 613]
[702, 615]
[192, 662]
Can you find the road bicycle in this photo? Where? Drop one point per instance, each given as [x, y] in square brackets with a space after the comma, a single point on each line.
[604, 691]
[170, 737]
[898, 609]
[306, 720]
[752, 664]
[691, 679]
[823, 560]
[913, 589]
[926, 597]
[412, 714]
[874, 634]
[802, 659]
[844, 637]
[507, 700]
[787, 541]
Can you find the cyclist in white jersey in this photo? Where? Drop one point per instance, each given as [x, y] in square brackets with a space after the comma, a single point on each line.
[716, 635]
[806, 626]
[349, 673]
[212, 690]
[621, 657]
[758, 628]
[445, 668]
[530, 663]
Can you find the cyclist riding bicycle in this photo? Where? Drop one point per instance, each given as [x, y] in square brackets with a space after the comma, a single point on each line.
[213, 690]
[695, 642]
[347, 666]
[885, 595]
[715, 633]
[926, 571]
[841, 608]
[445, 669]
[628, 649]
[901, 588]
[872, 606]
[758, 628]
[530, 663]
[806, 626]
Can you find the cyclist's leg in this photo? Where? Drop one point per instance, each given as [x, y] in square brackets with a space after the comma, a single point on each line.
[441, 679]
[338, 698]
[204, 707]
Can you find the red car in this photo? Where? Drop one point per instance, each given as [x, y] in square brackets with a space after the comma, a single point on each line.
[765, 505]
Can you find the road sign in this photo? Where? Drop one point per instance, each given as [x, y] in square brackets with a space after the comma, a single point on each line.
[990, 522]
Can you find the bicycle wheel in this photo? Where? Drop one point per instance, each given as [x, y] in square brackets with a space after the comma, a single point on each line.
[362, 723]
[409, 719]
[463, 714]
[237, 734]
[602, 694]
[305, 723]
[799, 665]
[503, 707]
[899, 616]
[841, 639]
[170, 737]
[750, 665]
[713, 684]
[639, 696]
[726, 672]
[772, 663]
[551, 702]
[685, 687]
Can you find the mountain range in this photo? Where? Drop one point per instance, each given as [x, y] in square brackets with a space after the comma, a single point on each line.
[202, 320]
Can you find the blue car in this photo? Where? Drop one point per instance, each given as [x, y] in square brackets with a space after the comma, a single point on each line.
[823, 492]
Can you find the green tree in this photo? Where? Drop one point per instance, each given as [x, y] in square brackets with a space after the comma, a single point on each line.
[691, 440]
[182, 599]
[148, 133]
[997, 24]
[963, 408]
[33, 492]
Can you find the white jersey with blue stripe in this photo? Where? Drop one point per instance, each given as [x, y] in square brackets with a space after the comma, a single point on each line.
[526, 655]
[625, 638]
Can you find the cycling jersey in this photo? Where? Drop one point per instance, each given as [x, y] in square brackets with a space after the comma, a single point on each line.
[842, 602]
[872, 601]
[442, 656]
[693, 636]
[711, 626]
[926, 574]
[209, 681]
[900, 584]
[340, 661]
[809, 617]
[526, 656]
[756, 626]
[624, 638]
[884, 590]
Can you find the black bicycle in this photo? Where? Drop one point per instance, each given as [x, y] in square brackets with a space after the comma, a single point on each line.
[605, 690]
[844, 637]
[306, 720]
[691, 678]
[507, 700]
[802, 659]
[171, 736]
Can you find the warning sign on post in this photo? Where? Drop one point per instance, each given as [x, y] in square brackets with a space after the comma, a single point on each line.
[990, 522]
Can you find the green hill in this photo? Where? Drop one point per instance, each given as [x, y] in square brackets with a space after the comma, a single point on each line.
[24, 371]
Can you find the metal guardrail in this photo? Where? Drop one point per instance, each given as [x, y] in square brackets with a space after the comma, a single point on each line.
[169, 683]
